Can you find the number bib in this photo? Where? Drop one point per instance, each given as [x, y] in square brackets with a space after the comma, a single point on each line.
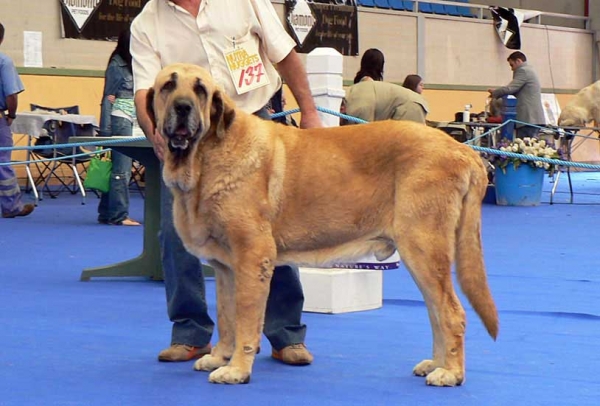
[246, 68]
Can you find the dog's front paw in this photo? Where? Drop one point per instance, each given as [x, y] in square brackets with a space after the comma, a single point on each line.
[209, 363]
[443, 377]
[230, 375]
[424, 367]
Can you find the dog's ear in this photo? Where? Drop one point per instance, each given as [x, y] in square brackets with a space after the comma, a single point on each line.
[150, 106]
[222, 114]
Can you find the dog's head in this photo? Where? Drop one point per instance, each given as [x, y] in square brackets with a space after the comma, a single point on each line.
[572, 116]
[496, 106]
[187, 106]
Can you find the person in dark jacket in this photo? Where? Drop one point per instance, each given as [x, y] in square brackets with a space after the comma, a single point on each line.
[525, 86]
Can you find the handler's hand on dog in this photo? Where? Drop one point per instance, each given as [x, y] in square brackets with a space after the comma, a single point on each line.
[159, 144]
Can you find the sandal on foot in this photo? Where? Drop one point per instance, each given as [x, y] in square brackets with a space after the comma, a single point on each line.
[130, 222]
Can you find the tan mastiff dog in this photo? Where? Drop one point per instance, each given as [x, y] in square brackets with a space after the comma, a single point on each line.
[251, 194]
[583, 108]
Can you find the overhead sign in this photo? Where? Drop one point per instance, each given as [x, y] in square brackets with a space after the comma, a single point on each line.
[301, 20]
[80, 11]
[323, 23]
[98, 19]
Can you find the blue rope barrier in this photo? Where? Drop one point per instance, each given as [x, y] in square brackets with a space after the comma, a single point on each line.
[58, 158]
[293, 111]
[76, 144]
[525, 157]
[323, 110]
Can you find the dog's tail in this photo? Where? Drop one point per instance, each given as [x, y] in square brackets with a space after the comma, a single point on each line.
[470, 268]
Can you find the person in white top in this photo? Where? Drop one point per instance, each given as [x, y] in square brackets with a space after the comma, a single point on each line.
[218, 35]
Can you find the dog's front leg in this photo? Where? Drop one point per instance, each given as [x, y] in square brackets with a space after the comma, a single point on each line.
[222, 352]
[253, 273]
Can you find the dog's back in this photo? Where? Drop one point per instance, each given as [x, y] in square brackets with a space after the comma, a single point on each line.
[582, 108]
[348, 177]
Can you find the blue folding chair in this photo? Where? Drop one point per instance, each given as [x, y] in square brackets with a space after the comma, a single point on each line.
[366, 3]
[52, 159]
[382, 4]
[397, 5]
[409, 5]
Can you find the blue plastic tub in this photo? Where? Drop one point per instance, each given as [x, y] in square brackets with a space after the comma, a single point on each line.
[521, 187]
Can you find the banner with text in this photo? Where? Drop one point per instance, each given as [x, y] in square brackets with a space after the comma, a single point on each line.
[98, 19]
[323, 23]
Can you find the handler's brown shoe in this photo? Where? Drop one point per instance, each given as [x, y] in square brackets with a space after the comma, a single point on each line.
[182, 353]
[25, 211]
[295, 354]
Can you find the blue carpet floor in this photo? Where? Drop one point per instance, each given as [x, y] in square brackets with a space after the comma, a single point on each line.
[66, 342]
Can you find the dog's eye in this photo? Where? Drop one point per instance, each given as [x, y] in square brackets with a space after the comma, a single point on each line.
[169, 86]
[199, 88]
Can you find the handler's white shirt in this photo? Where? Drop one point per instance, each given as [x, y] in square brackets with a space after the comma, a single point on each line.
[164, 33]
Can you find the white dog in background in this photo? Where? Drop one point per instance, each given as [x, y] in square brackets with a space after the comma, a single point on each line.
[583, 108]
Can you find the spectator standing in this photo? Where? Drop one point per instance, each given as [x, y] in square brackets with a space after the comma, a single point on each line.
[10, 87]
[525, 86]
[116, 118]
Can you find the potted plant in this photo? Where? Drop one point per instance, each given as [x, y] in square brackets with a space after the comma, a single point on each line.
[518, 181]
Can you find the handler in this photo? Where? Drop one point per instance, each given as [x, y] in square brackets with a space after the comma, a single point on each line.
[238, 41]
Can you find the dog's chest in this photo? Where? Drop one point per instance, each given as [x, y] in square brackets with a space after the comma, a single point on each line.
[197, 221]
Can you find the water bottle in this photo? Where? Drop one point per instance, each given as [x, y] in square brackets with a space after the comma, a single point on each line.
[467, 113]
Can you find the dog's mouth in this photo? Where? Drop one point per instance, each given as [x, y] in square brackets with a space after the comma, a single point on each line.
[180, 139]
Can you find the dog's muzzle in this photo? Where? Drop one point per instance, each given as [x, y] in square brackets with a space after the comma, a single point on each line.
[182, 124]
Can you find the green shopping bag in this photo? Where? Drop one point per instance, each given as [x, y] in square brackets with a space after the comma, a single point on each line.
[98, 173]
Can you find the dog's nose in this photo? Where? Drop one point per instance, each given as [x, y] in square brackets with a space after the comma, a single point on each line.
[183, 108]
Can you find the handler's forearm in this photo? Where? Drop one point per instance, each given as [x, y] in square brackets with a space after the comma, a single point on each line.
[142, 114]
[293, 72]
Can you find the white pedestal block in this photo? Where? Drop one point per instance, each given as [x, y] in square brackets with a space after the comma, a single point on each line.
[341, 290]
[335, 290]
[324, 60]
[325, 81]
[325, 67]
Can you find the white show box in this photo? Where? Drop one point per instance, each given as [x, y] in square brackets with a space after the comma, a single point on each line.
[341, 290]
[325, 68]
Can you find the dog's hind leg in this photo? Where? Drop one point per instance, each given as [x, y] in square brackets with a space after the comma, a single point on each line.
[253, 267]
[222, 352]
[427, 251]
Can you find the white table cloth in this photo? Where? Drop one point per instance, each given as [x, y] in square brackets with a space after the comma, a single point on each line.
[31, 123]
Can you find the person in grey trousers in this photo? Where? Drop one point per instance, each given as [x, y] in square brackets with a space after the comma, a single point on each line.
[525, 86]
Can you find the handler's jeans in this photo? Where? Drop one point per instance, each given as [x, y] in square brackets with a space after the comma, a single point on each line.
[186, 299]
[114, 205]
[10, 193]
